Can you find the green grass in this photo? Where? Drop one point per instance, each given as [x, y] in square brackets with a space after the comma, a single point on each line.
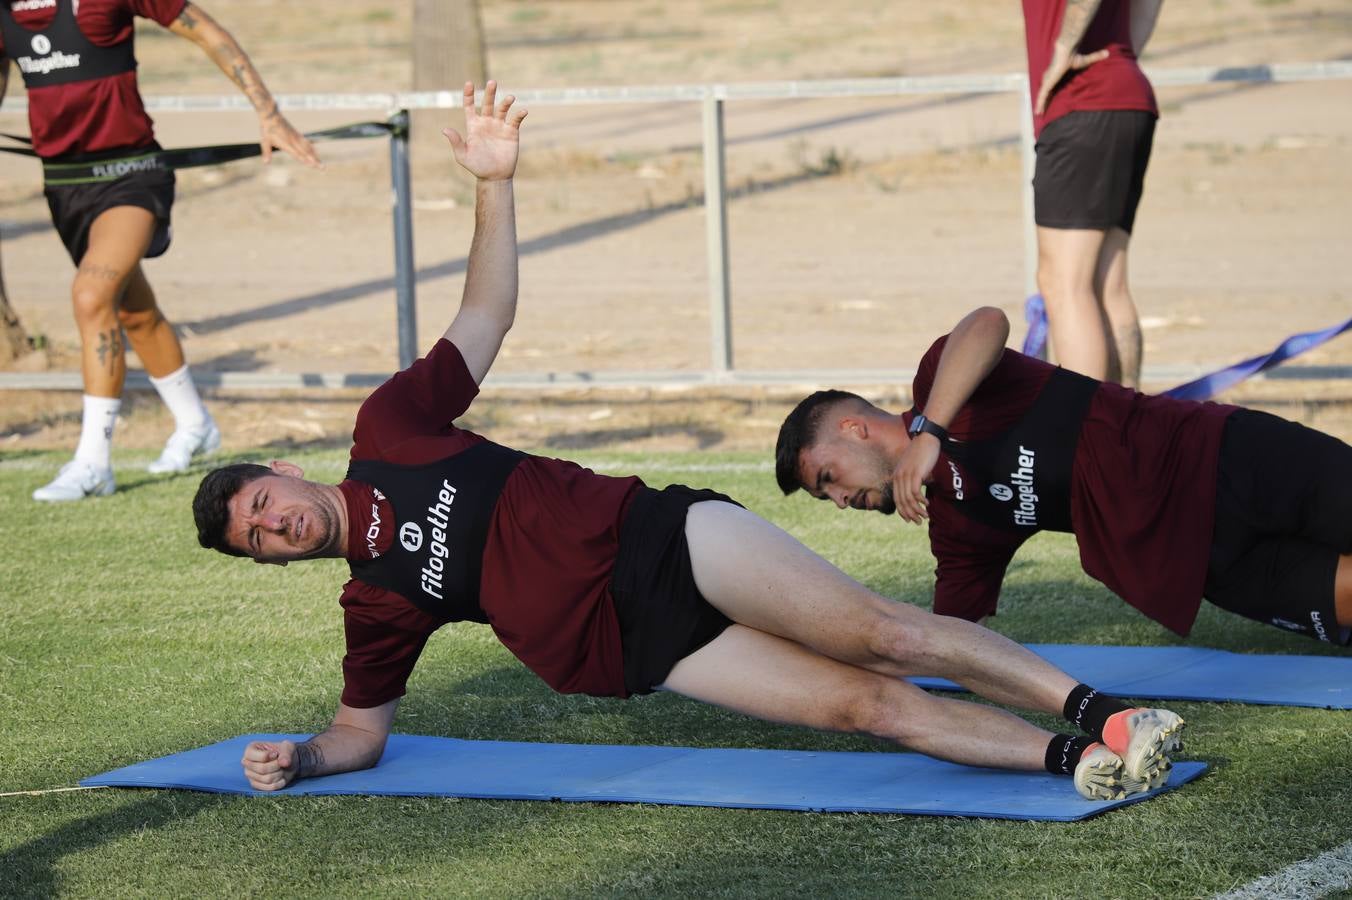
[121, 641]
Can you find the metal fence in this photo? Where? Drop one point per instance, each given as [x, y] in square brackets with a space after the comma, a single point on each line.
[712, 98]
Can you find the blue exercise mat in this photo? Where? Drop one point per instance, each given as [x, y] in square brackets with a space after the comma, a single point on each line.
[417, 766]
[1199, 673]
[1035, 314]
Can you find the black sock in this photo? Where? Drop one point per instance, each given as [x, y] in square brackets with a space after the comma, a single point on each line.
[1064, 752]
[1088, 710]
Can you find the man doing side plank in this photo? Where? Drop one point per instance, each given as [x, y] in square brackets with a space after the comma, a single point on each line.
[1169, 500]
[601, 585]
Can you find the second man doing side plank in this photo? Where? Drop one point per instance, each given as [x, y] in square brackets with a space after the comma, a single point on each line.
[1170, 500]
[602, 585]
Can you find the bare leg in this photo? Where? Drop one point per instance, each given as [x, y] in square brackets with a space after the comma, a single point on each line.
[759, 576]
[1067, 262]
[1342, 591]
[118, 239]
[771, 678]
[1124, 325]
[148, 332]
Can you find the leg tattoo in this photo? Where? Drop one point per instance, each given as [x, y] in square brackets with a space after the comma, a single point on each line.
[110, 348]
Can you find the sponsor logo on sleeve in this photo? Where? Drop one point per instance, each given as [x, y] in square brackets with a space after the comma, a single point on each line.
[373, 531]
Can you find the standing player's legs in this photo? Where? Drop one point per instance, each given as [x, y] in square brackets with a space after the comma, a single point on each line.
[156, 343]
[118, 239]
[148, 332]
[1067, 270]
[1124, 325]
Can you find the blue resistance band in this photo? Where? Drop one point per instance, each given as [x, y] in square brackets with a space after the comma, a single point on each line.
[1035, 313]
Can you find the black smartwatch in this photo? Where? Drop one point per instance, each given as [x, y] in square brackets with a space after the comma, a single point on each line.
[921, 424]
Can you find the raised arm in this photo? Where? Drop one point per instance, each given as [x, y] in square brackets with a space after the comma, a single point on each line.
[195, 25]
[1144, 15]
[354, 741]
[970, 353]
[1065, 58]
[488, 151]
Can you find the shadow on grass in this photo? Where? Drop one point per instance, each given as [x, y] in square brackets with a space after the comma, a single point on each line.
[30, 869]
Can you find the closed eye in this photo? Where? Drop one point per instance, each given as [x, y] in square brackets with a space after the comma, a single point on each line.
[253, 529]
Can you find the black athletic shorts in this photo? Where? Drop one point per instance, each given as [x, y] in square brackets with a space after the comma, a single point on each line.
[1283, 517]
[1091, 169]
[663, 617]
[74, 207]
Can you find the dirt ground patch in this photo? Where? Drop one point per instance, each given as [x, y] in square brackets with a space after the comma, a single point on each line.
[859, 229]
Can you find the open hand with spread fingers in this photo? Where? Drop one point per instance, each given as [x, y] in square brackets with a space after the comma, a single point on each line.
[488, 149]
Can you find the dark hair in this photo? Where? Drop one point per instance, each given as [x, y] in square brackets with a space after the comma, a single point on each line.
[799, 432]
[211, 506]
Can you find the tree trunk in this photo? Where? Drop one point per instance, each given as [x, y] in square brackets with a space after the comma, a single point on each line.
[448, 50]
[448, 45]
[14, 342]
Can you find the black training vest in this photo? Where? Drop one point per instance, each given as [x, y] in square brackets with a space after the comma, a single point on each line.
[60, 53]
[1020, 480]
[441, 516]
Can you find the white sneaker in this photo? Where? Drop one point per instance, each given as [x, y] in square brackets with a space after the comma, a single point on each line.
[76, 480]
[184, 444]
[1101, 775]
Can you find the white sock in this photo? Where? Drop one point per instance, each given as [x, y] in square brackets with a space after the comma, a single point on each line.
[180, 394]
[96, 430]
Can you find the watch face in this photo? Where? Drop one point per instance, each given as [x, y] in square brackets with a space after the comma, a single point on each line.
[916, 424]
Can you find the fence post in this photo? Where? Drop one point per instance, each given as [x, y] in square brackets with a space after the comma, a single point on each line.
[405, 278]
[716, 231]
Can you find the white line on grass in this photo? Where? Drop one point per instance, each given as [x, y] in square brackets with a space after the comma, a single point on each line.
[1315, 877]
[60, 790]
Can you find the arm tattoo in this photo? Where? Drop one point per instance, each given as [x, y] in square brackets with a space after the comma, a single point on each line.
[1078, 15]
[309, 759]
[243, 74]
[110, 348]
[186, 17]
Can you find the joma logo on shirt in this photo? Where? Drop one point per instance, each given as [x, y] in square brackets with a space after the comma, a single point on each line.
[26, 5]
